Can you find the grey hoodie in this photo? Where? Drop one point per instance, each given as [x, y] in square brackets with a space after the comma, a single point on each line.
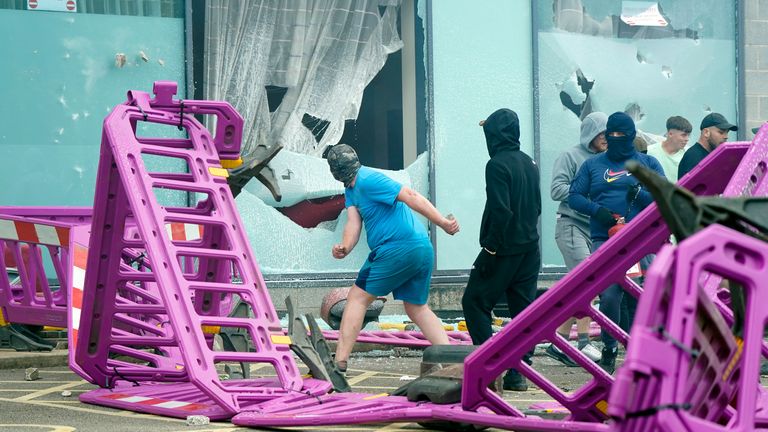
[568, 164]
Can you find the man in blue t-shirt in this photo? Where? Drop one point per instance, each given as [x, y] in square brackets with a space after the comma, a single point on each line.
[401, 256]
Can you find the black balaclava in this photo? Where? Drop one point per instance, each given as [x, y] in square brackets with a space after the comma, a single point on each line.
[502, 130]
[343, 162]
[620, 148]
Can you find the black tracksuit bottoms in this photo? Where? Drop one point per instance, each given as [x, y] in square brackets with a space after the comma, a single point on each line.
[514, 276]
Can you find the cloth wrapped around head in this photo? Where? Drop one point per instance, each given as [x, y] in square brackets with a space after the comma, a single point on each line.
[620, 133]
[343, 162]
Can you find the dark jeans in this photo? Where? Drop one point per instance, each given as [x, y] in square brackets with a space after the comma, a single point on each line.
[628, 308]
[618, 307]
[515, 277]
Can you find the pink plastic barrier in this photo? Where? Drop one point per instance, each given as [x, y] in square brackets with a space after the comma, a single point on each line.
[40, 252]
[685, 371]
[149, 288]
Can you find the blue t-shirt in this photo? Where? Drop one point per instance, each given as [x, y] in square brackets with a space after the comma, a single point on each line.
[385, 218]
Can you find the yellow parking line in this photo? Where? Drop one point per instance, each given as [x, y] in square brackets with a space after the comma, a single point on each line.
[397, 427]
[15, 390]
[96, 411]
[40, 382]
[2, 390]
[52, 428]
[377, 387]
[223, 429]
[49, 390]
[363, 376]
[65, 402]
[381, 374]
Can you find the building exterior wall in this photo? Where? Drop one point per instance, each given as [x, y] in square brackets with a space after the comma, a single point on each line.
[480, 62]
[60, 81]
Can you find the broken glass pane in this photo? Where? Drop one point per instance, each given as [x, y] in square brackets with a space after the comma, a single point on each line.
[591, 59]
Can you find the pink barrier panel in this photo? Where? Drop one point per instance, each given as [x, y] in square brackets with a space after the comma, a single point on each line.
[356, 408]
[68, 215]
[412, 339]
[685, 370]
[152, 287]
[39, 251]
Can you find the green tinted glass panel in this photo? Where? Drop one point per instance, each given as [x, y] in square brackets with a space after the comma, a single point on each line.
[59, 83]
[482, 62]
[683, 64]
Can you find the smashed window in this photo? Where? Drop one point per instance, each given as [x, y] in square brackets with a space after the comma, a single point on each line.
[297, 72]
[650, 59]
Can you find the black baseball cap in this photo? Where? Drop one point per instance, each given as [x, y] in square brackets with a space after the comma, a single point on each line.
[717, 120]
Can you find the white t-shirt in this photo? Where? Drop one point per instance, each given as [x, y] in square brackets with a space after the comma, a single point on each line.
[668, 161]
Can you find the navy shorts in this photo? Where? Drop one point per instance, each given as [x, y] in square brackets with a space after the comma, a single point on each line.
[403, 268]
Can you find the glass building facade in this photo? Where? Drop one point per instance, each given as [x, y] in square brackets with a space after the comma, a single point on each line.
[552, 61]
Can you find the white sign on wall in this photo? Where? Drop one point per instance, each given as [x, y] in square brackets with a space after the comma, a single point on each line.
[53, 5]
[642, 13]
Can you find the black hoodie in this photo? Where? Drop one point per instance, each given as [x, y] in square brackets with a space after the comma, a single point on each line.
[513, 196]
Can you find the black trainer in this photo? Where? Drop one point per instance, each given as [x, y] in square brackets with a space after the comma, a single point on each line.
[608, 359]
[514, 381]
[554, 352]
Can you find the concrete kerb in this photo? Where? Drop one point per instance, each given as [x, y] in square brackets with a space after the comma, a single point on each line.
[11, 359]
[445, 298]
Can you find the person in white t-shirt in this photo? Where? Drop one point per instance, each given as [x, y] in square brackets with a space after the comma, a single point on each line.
[670, 151]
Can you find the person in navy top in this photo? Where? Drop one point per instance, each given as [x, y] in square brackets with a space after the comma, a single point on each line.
[401, 257]
[606, 191]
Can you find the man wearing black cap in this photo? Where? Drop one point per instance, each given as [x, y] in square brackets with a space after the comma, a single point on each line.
[714, 131]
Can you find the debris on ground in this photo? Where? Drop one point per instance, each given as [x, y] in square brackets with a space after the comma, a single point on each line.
[197, 420]
[32, 374]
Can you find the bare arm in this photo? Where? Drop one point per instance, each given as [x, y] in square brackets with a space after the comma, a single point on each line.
[350, 235]
[419, 204]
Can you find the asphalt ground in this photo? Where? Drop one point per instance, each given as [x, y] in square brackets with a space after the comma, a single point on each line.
[27, 406]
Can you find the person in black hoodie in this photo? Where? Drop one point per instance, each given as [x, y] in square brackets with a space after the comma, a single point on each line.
[509, 259]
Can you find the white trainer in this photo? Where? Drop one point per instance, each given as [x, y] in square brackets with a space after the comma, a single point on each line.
[591, 352]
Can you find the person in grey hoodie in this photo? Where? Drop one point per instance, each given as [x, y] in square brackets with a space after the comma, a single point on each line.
[572, 229]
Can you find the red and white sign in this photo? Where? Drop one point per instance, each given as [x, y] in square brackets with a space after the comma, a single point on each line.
[80, 258]
[184, 232]
[160, 403]
[30, 232]
[52, 5]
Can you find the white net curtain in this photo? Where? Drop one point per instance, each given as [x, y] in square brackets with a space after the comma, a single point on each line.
[324, 52]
